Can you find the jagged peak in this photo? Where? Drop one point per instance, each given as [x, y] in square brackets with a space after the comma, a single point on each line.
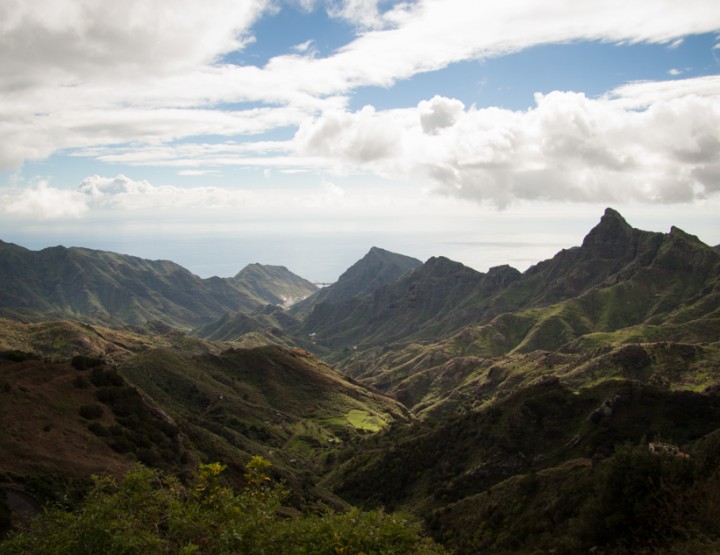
[441, 261]
[442, 264]
[610, 237]
[377, 256]
[612, 213]
[503, 269]
[677, 232]
[612, 219]
[376, 252]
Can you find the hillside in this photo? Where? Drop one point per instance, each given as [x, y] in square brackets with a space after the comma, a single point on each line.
[377, 268]
[273, 284]
[622, 285]
[619, 277]
[501, 407]
[550, 469]
[169, 401]
[110, 288]
[266, 326]
[412, 306]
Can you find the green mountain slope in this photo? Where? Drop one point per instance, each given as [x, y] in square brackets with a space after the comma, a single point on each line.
[514, 412]
[105, 287]
[416, 305]
[267, 326]
[621, 286]
[442, 297]
[480, 476]
[273, 284]
[377, 268]
[288, 399]
[169, 401]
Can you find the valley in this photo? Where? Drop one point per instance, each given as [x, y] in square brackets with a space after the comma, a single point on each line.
[508, 411]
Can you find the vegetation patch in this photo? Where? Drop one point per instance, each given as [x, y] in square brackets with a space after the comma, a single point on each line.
[363, 420]
[149, 513]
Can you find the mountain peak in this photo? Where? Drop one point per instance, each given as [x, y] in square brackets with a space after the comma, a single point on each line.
[677, 232]
[442, 263]
[377, 268]
[612, 213]
[610, 238]
[272, 284]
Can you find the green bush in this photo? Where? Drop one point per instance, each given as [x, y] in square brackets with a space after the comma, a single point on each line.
[151, 513]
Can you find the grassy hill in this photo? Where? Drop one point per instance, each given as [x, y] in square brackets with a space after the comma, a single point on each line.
[114, 289]
[519, 475]
[170, 401]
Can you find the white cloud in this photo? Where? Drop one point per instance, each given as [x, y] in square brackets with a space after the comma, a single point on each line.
[360, 137]
[43, 202]
[363, 13]
[645, 142]
[71, 41]
[656, 142]
[83, 74]
[303, 46]
[432, 34]
[125, 194]
[438, 113]
[97, 187]
[642, 94]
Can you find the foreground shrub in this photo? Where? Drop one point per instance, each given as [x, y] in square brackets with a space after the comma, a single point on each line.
[151, 513]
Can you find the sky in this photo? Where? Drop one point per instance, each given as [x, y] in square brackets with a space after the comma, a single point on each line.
[219, 133]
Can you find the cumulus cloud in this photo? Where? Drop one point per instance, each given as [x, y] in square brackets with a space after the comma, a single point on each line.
[81, 73]
[45, 203]
[361, 137]
[438, 113]
[123, 193]
[69, 41]
[645, 142]
[97, 187]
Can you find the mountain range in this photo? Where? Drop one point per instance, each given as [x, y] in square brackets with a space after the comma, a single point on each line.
[491, 404]
[106, 287]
